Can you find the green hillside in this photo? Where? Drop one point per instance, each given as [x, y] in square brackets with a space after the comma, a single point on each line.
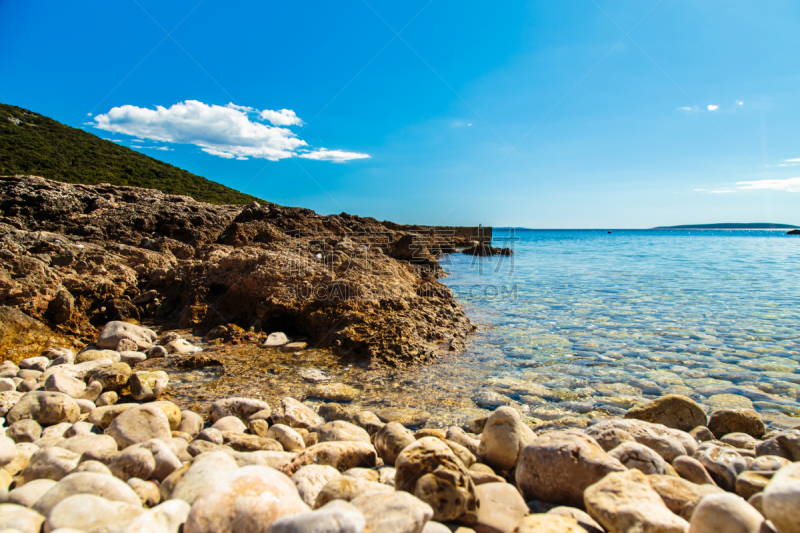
[38, 145]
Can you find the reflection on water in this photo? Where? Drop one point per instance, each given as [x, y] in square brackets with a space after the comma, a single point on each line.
[581, 324]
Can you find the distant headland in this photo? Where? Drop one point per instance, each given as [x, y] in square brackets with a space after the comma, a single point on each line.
[758, 225]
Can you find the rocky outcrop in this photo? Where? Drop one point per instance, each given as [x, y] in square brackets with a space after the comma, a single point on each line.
[75, 257]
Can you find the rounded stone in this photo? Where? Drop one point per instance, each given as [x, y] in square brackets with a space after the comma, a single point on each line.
[624, 501]
[204, 475]
[547, 523]
[782, 499]
[504, 435]
[390, 441]
[501, 508]
[133, 462]
[30, 492]
[432, 472]
[342, 431]
[347, 488]
[47, 408]
[723, 464]
[50, 463]
[139, 424]
[340, 455]
[19, 518]
[725, 512]
[724, 421]
[107, 487]
[679, 495]
[250, 499]
[558, 467]
[393, 512]
[242, 408]
[692, 470]
[291, 440]
[335, 517]
[92, 514]
[310, 480]
[26, 430]
[191, 423]
[231, 424]
[639, 456]
[673, 410]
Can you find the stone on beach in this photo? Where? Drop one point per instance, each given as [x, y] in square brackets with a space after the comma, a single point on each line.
[335, 517]
[347, 488]
[393, 512]
[114, 332]
[504, 435]
[501, 508]
[310, 480]
[294, 414]
[673, 410]
[148, 385]
[723, 464]
[639, 456]
[50, 463]
[557, 467]
[203, 476]
[92, 514]
[340, 455]
[679, 495]
[250, 499]
[342, 431]
[242, 408]
[139, 424]
[624, 501]
[47, 408]
[107, 487]
[391, 439]
[432, 472]
[724, 421]
[275, 339]
[18, 518]
[782, 499]
[717, 513]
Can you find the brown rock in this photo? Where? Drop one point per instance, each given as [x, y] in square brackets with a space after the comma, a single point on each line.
[749, 483]
[547, 523]
[340, 455]
[624, 502]
[724, 421]
[390, 441]
[557, 467]
[692, 470]
[673, 410]
[679, 495]
[501, 508]
[504, 435]
[584, 520]
[432, 472]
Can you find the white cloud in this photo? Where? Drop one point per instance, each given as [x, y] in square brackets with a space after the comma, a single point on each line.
[795, 160]
[231, 131]
[337, 156]
[712, 107]
[284, 117]
[88, 114]
[782, 165]
[723, 191]
[788, 185]
[687, 108]
[739, 102]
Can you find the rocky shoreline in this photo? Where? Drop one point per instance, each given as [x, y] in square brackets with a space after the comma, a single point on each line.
[90, 443]
[77, 256]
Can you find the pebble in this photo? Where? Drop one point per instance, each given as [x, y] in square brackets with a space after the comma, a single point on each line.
[501, 508]
[50, 463]
[672, 410]
[723, 464]
[340, 455]
[335, 392]
[92, 514]
[294, 414]
[191, 423]
[250, 499]
[781, 501]
[146, 491]
[26, 430]
[335, 517]
[429, 470]
[107, 487]
[166, 517]
[657, 437]
[291, 440]
[393, 512]
[724, 421]
[310, 480]
[726, 513]
[139, 424]
[115, 331]
[30, 492]
[639, 456]
[275, 339]
[342, 431]
[504, 435]
[16, 517]
[148, 385]
[547, 523]
[679, 495]
[47, 408]
[347, 488]
[391, 439]
[692, 470]
[314, 375]
[557, 467]
[231, 424]
[403, 415]
[203, 476]
[133, 462]
[584, 520]
[624, 501]
[750, 483]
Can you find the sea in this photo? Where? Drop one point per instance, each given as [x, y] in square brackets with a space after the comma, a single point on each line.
[577, 322]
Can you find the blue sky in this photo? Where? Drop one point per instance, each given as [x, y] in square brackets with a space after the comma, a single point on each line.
[537, 114]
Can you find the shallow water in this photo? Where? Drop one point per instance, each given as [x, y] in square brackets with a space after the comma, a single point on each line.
[582, 325]
[603, 320]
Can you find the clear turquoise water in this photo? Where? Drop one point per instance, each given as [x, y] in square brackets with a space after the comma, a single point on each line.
[581, 322]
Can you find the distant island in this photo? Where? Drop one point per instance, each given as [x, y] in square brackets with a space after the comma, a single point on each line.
[758, 225]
